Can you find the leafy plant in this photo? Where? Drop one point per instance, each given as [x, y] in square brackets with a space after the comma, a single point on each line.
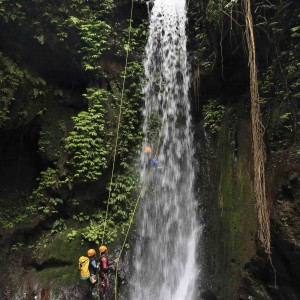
[49, 182]
[13, 80]
[94, 232]
[213, 113]
[71, 235]
[89, 145]
[58, 226]
[81, 217]
[14, 208]
[18, 246]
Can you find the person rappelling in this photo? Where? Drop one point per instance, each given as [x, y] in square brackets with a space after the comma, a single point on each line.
[151, 162]
[106, 266]
[148, 154]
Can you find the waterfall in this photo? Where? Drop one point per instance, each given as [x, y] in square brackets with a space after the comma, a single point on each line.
[165, 253]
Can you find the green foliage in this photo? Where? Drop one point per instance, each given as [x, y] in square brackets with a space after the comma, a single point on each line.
[83, 25]
[285, 116]
[89, 145]
[10, 79]
[130, 133]
[93, 232]
[85, 30]
[125, 184]
[52, 135]
[13, 80]
[14, 208]
[295, 32]
[72, 235]
[44, 140]
[51, 206]
[18, 246]
[94, 34]
[81, 217]
[205, 57]
[280, 83]
[124, 194]
[138, 37]
[213, 10]
[58, 226]
[49, 183]
[213, 113]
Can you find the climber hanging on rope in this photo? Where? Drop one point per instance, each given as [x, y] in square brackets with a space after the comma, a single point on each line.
[106, 266]
[151, 162]
[148, 157]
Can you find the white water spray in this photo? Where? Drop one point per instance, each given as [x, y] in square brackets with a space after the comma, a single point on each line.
[165, 254]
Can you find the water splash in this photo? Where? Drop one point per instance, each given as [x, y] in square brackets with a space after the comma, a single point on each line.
[165, 254]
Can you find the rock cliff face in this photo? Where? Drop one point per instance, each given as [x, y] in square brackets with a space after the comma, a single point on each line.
[48, 63]
[53, 56]
[236, 265]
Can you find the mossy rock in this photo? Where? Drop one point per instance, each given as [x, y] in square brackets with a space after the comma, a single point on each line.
[59, 249]
[55, 282]
[58, 277]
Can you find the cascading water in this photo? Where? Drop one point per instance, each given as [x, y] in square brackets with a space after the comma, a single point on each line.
[165, 253]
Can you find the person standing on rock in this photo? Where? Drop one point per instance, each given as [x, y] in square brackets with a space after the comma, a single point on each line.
[106, 266]
[93, 265]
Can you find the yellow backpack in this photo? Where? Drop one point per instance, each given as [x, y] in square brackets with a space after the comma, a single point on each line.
[83, 266]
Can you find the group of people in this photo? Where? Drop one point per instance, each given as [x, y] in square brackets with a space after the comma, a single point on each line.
[96, 268]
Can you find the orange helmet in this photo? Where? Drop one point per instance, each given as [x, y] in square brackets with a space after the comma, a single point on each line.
[148, 150]
[102, 249]
[91, 252]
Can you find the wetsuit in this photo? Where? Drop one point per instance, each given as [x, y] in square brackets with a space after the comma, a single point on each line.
[105, 267]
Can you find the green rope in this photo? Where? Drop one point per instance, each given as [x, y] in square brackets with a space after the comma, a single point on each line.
[119, 120]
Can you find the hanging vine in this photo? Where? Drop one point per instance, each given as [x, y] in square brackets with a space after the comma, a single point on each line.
[257, 135]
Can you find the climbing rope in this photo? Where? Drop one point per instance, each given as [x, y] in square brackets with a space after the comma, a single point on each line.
[127, 48]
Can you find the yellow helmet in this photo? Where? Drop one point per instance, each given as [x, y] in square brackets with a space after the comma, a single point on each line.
[102, 249]
[91, 252]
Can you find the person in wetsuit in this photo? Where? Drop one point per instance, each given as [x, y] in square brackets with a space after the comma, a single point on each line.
[105, 266]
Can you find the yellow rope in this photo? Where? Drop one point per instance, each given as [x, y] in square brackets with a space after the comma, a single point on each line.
[119, 120]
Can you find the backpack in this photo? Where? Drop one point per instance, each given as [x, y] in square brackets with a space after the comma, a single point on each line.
[83, 266]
